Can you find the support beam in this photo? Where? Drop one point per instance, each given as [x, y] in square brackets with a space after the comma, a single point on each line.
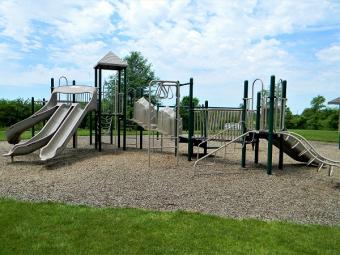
[282, 122]
[74, 140]
[32, 111]
[271, 125]
[52, 85]
[124, 110]
[90, 127]
[205, 134]
[118, 117]
[140, 137]
[191, 120]
[96, 113]
[257, 126]
[100, 111]
[244, 128]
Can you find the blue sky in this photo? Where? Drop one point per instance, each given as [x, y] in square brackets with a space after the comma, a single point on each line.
[218, 43]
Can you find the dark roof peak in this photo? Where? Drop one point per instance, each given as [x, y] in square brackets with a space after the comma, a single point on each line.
[335, 101]
[111, 61]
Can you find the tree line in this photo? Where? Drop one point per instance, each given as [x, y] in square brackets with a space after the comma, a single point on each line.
[317, 117]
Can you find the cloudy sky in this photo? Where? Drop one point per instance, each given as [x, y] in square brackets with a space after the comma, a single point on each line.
[218, 43]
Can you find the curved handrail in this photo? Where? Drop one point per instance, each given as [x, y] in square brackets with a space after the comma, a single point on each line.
[252, 91]
[63, 77]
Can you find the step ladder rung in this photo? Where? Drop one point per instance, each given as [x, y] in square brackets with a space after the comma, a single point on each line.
[295, 145]
[330, 172]
[321, 166]
[302, 152]
[310, 161]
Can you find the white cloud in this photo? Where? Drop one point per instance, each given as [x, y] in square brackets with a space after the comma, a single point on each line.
[81, 54]
[330, 54]
[220, 43]
[71, 20]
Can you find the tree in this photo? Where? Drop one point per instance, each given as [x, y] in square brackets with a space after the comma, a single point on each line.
[183, 110]
[317, 103]
[139, 74]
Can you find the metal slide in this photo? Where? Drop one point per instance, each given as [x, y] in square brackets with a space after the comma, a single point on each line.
[14, 132]
[66, 118]
[42, 138]
[69, 126]
[298, 148]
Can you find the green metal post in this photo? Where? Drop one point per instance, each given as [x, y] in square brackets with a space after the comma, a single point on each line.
[124, 111]
[244, 128]
[43, 103]
[271, 125]
[205, 134]
[52, 85]
[157, 134]
[257, 126]
[190, 120]
[90, 128]
[339, 127]
[74, 140]
[282, 124]
[119, 117]
[32, 111]
[97, 111]
[140, 137]
[100, 110]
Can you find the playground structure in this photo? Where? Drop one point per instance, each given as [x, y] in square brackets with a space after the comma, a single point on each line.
[207, 126]
[266, 122]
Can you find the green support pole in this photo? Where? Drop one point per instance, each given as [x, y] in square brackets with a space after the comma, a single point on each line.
[270, 125]
[124, 112]
[118, 117]
[190, 120]
[205, 134]
[43, 103]
[90, 128]
[244, 128]
[339, 127]
[282, 124]
[97, 111]
[257, 126]
[157, 134]
[100, 111]
[32, 111]
[140, 137]
[74, 140]
[52, 85]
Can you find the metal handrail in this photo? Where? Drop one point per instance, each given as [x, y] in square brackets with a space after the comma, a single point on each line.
[223, 146]
[214, 137]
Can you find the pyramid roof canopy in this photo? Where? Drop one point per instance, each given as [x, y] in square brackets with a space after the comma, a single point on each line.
[335, 101]
[111, 62]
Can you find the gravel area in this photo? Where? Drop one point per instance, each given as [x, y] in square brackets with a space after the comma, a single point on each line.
[122, 179]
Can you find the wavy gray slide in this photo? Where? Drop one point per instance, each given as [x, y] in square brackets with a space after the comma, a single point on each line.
[60, 127]
[298, 148]
[64, 133]
[43, 137]
[14, 132]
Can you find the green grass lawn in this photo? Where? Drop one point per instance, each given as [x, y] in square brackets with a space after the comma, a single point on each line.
[312, 135]
[318, 135]
[50, 228]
